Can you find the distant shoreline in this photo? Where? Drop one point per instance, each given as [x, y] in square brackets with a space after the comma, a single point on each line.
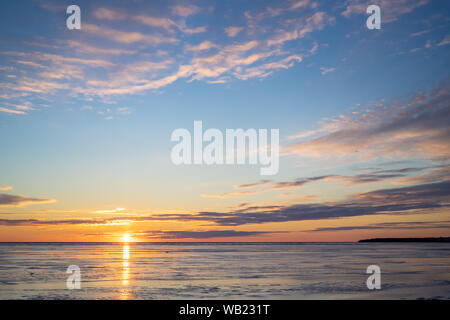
[440, 239]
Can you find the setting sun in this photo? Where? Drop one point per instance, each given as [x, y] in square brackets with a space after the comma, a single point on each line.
[126, 238]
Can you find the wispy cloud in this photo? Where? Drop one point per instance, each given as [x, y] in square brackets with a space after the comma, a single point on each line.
[325, 70]
[318, 21]
[156, 22]
[18, 200]
[408, 225]
[202, 234]
[10, 111]
[419, 33]
[424, 198]
[127, 37]
[418, 128]
[421, 198]
[444, 41]
[205, 45]
[399, 176]
[108, 14]
[233, 194]
[185, 10]
[391, 10]
[113, 33]
[253, 185]
[83, 47]
[232, 31]
[438, 173]
[165, 23]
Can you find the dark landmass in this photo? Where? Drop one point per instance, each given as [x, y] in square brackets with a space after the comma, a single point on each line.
[441, 239]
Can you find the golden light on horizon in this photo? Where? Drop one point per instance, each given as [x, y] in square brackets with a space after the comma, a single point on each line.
[126, 238]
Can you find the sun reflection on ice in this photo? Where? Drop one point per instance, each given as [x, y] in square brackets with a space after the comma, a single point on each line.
[125, 271]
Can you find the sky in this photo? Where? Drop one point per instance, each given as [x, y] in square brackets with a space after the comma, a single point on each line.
[86, 118]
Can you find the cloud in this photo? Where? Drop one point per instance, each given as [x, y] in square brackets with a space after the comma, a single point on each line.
[185, 10]
[90, 49]
[108, 14]
[156, 22]
[10, 111]
[123, 110]
[437, 192]
[402, 175]
[26, 106]
[18, 201]
[423, 199]
[55, 59]
[30, 63]
[419, 33]
[391, 10]
[68, 66]
[34, 86]
[296, 183]
[252, 185]
[269, 12]
[379, 175]
[267, 69]
[126, 37]
[415, 129]
[300, 4]
[5, 188]
[444, 41]
[130, 74]
[305, 197]
[233, 31]
[324, 70]
[205, 45]
[203, 234]
[408, 225]
[232, 194]
[144, 84]
[183, 28]
[232, 59]
[37, 222]
[316, 22]
[438, 173]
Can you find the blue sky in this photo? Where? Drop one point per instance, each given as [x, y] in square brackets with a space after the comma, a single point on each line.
[86, 115]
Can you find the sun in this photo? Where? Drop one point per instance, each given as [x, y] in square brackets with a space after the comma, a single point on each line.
[126, 238]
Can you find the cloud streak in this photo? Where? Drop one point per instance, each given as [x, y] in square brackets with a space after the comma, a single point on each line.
[415, 129]
[112, 34]
[391, 10]
[18, 200]
[203, 234]
[389, 226]
[424, 198]
[401, 176]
